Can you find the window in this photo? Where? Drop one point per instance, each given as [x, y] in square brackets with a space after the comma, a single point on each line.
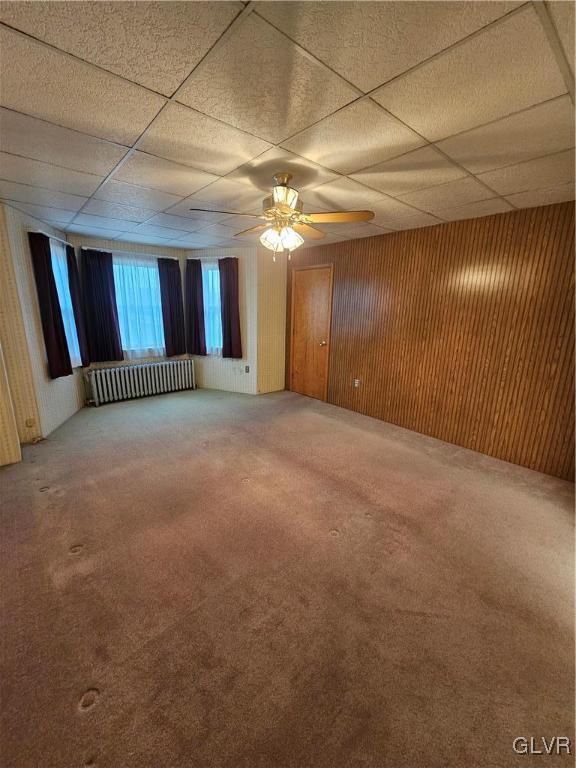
[137, 285]
[212, 311]
[60, 270]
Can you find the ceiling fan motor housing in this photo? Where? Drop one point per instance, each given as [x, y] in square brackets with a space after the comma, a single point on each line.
[272, 208]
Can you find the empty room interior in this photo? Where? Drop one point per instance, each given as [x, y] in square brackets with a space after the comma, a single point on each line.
[287, 384]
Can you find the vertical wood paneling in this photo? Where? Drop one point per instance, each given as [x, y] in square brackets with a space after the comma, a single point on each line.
[463, 331]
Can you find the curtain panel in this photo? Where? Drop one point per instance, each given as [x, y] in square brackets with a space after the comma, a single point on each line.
[231, 341]
[60, 271]
[212, 308]
[51, 317]
[195, 331]
[76, 294]
[139, 305]
[102, 329]
[172, 306]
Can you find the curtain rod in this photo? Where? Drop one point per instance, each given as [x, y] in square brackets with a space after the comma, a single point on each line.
[52, 237]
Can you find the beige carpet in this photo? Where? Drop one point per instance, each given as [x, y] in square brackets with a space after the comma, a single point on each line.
[205, 579]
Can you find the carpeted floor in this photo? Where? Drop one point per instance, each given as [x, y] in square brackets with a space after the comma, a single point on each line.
[212, 580]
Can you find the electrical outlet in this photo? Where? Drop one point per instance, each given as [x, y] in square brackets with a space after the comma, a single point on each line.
[357, 383]
[246, 369]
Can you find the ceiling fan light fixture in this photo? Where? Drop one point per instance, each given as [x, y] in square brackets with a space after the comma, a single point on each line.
[290, 239]
[284, 195]
[270, 239]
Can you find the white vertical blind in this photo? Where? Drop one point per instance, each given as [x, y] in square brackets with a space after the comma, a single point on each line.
[212, 307]
[137, 285]
[60, 270]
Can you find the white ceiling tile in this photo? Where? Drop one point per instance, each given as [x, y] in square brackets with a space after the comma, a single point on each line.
[352, 230]
[506, 68]
[38, 174]
[347, 194]
[417, 221]
[101, 234]
[541, 130]
[542, 173]
[52, 215]
[451, 195]
[131, 237]
[371, 42]
[155, 44]
[342, 194]
[115, 211]
[102, 222]
[422, 168]
[194, 240]
[186, 136]
[45, 83]
[167, 233]
[30, 137]
[562, 12]
[220, 230]
[177, 222]
[129, 194]
[163, 175]
[208, 215]
[10, 190]
[535, 197]
[260, 171]
[474, 210]
[357, 136]
[230, 195]
[229, 244]
[261, 82]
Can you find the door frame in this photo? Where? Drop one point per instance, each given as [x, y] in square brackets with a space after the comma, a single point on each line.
[294, 269]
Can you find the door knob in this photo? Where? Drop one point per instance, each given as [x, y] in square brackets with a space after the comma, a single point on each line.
[323, 343]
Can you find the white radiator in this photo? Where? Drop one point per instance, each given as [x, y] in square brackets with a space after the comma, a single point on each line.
[123, 382]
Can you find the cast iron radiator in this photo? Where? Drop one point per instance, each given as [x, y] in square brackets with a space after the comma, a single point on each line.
[124, 382]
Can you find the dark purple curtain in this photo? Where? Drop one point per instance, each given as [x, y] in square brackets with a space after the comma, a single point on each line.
[102, 327]
[50, 314]
[172, 306]
[195, 331]
[76, 295]
[231, 342]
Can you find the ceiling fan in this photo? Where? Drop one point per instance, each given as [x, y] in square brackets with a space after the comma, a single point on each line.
[286, 224]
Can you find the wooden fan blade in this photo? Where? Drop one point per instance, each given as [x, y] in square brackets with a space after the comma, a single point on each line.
[339, 216]
[252, 230]
[232, 213]
[307, 231]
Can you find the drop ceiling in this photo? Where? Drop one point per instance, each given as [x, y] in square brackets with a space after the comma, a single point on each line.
[117, 118]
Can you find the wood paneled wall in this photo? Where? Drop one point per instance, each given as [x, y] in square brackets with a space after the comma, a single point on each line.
[463, 331]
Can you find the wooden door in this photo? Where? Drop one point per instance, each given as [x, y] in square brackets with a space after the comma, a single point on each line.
[311, 316]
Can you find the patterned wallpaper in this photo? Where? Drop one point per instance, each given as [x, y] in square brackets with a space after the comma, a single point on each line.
[9, 440]
[56, 399]
[230, 375]
[271, 321]
[13, 340]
